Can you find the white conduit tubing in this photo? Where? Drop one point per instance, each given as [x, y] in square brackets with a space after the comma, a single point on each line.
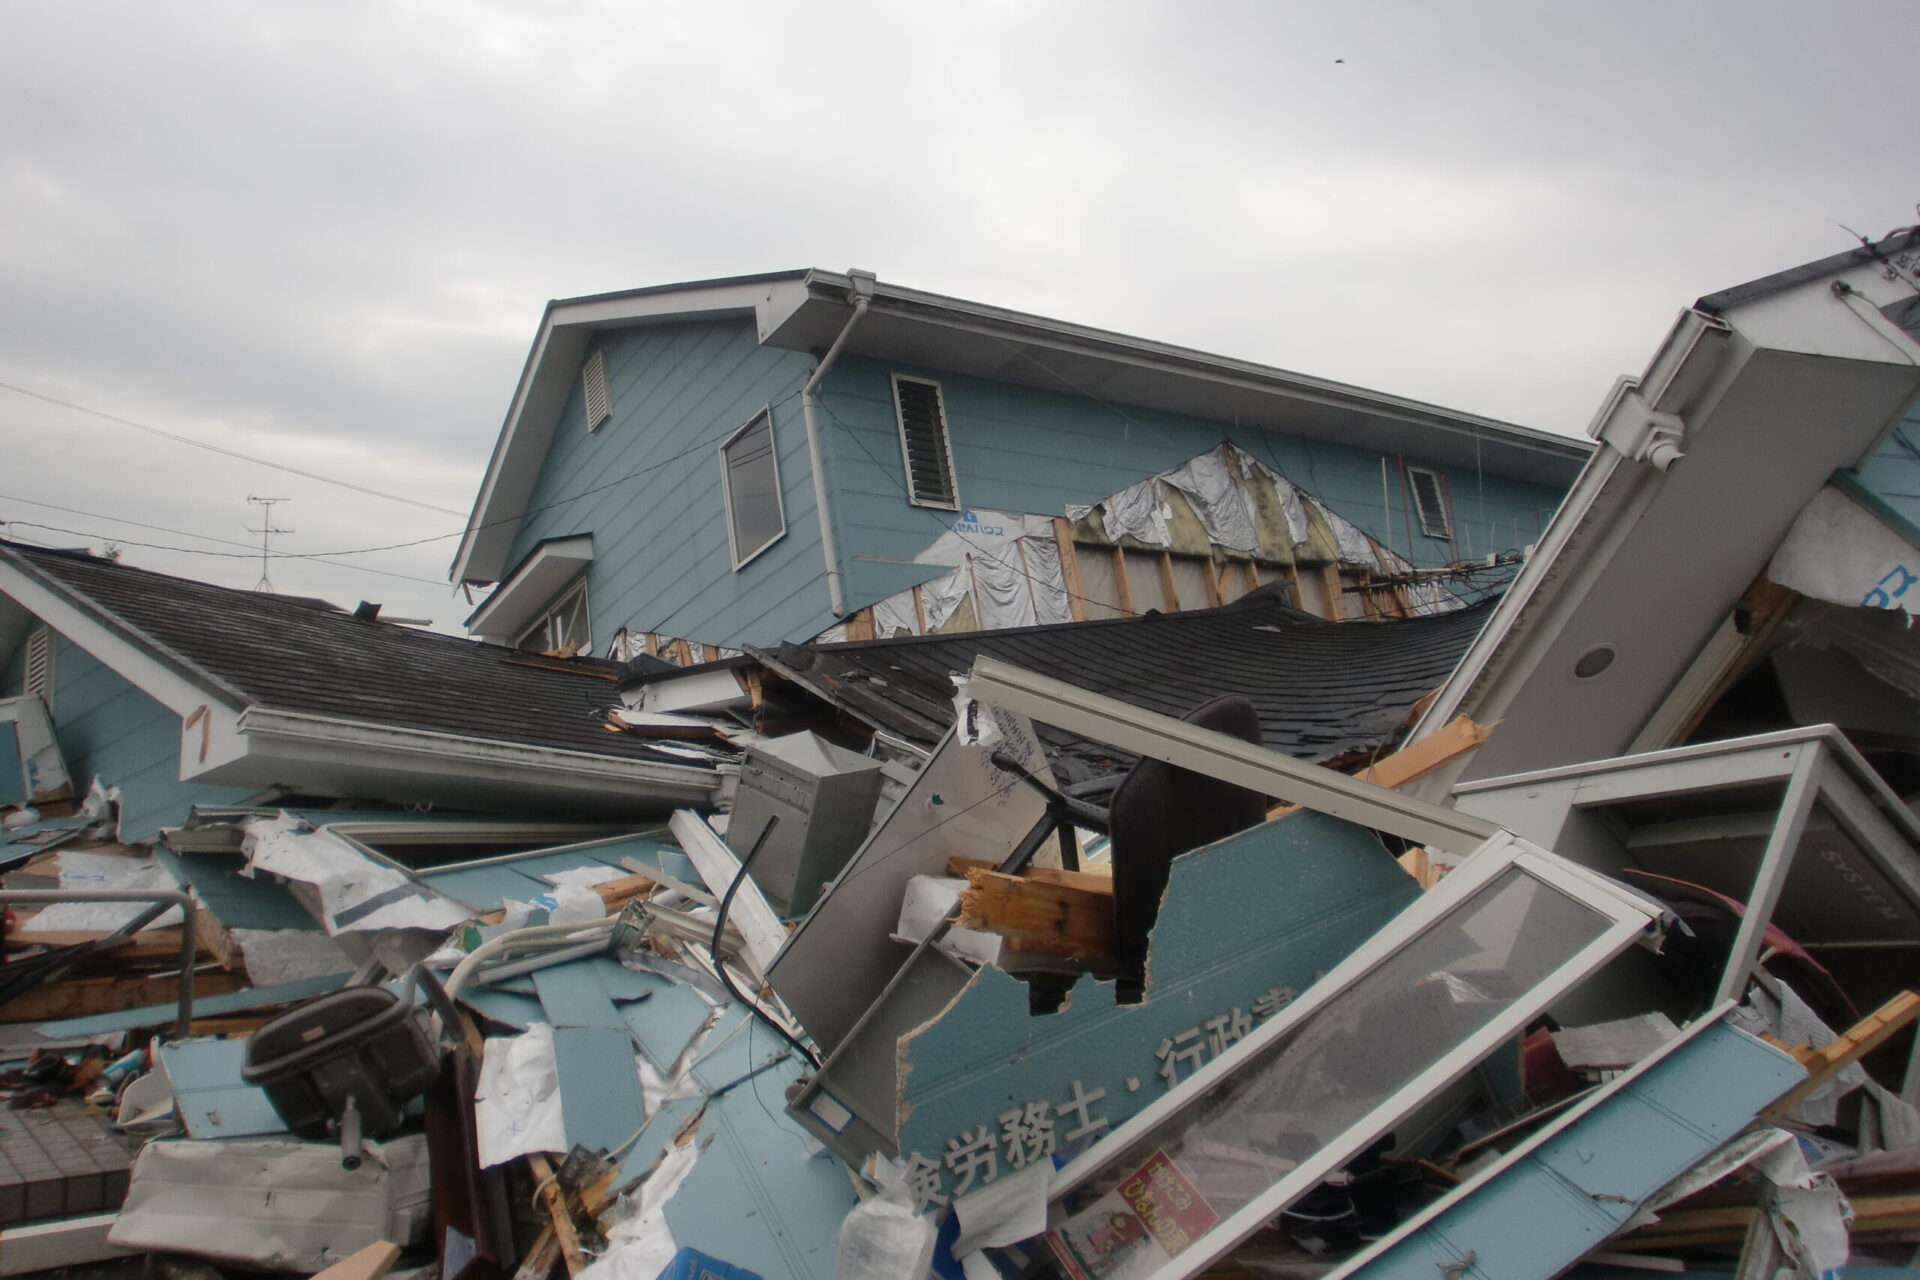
[463, 972]
[862, 292]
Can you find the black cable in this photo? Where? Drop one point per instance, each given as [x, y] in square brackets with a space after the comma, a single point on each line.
[720, 965]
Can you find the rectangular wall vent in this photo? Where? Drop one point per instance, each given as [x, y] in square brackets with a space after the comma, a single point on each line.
[593, 378]
[1429, 502]
[39, 678]
[924, 444]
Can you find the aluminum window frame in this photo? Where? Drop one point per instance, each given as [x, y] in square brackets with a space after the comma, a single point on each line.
[562, 600]
[1440, 515]
[734, 554]
[946, 444]
[1627, 914]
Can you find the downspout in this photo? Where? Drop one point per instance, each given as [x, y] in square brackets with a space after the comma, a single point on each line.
[861, 290]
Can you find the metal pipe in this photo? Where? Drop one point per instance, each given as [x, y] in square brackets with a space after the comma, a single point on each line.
[189, 940]
[862, 291]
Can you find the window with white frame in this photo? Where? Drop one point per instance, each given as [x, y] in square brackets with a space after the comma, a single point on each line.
[750, 484]
[1429, 502]
[561, 627]
[593, 386]
[925, 447]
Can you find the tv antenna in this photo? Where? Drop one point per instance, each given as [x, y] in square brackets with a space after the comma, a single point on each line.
[266, 532]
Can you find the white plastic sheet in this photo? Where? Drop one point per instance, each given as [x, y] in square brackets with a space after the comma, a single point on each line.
[516, 1105]
[883, 1238]
[1837, 552]
[1139, 512]
[357, 894]
[80, 870]
[640, 1244]
[1219, 498]
[274, 956]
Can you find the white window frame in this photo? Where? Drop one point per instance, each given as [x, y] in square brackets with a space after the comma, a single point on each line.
[560, 604]
[946, 444]
[1440, 516]
[740, 559]
[593, 378]
[1628, 916]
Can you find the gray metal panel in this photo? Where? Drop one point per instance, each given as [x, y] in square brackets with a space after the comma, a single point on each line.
[842, 956]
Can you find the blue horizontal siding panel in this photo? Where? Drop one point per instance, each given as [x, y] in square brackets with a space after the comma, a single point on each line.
[1575, 1183]
[647, 486]
[109, 729]
[1019, 448]
[1892, 474]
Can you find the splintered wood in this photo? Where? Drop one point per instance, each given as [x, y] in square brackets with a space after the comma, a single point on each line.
[1045, 910]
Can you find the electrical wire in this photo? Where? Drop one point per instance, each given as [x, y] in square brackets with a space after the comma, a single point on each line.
[720, 964]
[231, 453]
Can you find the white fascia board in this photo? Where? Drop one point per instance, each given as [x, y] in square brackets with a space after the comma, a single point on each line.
[383, 752]
[546, 380]
[208, 708]
[1174, 361]
[530, 587]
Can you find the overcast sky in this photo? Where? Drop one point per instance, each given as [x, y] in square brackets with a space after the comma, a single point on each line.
[323, 234]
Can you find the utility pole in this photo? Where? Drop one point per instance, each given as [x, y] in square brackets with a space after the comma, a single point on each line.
[266, 532]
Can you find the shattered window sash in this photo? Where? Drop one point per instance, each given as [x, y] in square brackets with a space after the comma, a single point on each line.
[1454, 968]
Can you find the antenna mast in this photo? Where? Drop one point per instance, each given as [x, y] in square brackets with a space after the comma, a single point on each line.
[266, 532]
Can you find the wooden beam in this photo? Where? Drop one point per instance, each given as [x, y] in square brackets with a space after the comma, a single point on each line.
[83, 997]
[555, 1198]
[369, 1263]
[860, 625]
[1416, 760]
[683, 653]
[1070, 567]
[1089, 881]
[1169, 590]
[1038, 915]
[148, 944]
[1120, 584]
[652, 642]
[1215, 596]
[1856, 1042]
[919, 613]
[1336, 599]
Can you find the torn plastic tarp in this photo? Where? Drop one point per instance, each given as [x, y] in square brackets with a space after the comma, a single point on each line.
[640, 1244]
[1837, 552]
[516, 1106]
[274, 956]
[884, 1238]
[274, 1203]
[1219, 498]
[357, 894]
[1138, 512]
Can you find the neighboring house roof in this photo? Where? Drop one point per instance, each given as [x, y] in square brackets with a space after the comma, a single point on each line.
[285, 668]
[1323, 690]
[806, 310]
[1627, 614]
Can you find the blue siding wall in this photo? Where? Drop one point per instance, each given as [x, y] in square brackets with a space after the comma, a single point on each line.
[108, 728]
[1022, 449]
[660, 555]
[1894, 472]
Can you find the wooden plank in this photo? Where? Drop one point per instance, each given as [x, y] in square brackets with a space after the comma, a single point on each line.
[1336, 598]
[1418, 759]
[1070, 567]
[148, 944]
[566, 1236]
[369, 1263]
[718, 866]
[1090, 881]
[860, 625]
[919, 615]
[1120, 585]
[652, 642]
[46, 1246]
[1215, 596]
[1169, 590]
[1856, 1042]
[81, 997]
[1036, 915]
[683, 653]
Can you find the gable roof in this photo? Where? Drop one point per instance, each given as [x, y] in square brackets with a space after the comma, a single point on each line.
[1322, 689]
[304, 665]
[805, 310]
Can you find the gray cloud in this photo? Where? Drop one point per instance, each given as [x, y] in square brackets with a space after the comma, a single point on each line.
[325, 233]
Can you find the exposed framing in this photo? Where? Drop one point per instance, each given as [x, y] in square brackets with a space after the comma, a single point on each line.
[945, 443]
[741, 557]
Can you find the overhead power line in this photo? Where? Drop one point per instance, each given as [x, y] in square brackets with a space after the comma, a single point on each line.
[231, 453]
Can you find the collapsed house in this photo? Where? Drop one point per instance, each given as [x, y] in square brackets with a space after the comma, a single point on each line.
[1572, 930]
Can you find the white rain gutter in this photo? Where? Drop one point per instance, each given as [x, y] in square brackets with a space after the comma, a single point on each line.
[861, 287]
[664, 782]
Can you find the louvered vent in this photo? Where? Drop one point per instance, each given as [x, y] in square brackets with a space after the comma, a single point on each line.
[593, 378]
[923, 441]
[1429, 503]
[39, 679]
